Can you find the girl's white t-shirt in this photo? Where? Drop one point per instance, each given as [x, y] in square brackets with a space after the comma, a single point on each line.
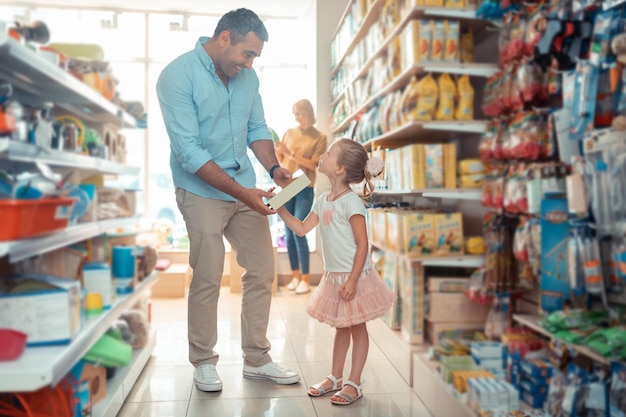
[338, 243]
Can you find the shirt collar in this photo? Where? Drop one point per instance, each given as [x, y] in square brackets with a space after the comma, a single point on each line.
[203, 55]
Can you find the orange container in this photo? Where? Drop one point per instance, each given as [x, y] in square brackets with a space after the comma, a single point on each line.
[25, 218]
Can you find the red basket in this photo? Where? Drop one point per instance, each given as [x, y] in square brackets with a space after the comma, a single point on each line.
[25, 218]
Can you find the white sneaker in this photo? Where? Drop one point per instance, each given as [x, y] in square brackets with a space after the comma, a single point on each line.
[271, 372]
[207, 379]
[293, 284]
[303, 288]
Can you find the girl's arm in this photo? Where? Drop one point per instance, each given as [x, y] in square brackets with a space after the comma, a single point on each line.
[359, 229]
[299, 227]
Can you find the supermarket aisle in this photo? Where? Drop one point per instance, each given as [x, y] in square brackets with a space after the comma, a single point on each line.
[165, 388]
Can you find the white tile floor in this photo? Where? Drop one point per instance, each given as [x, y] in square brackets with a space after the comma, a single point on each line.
[165, 388]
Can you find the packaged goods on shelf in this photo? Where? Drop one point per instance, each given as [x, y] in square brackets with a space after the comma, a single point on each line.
[411, 288]
[390, 277]
[46, 308]
[449, 234]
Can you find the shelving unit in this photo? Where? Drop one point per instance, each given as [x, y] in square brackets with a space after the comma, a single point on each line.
[35, 81]
[25, 248]
[478, 70]
[22, 152]
[120, 385]
[454, 193]
[408, 359]
[42, 366]
[532, 322]
[462, 261]
[464, 14]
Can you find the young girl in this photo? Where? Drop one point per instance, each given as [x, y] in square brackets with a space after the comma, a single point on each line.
[350, 292]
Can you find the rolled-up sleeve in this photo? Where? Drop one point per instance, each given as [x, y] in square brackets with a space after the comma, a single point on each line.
[174, 91]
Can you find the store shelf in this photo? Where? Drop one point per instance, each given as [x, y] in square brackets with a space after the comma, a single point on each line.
[25, 248]
[120, 385]
[42, 366]
[36, 80]
[371, 17]
[461, 261]
[452, 193]
[532, 322]
[478, 70]
[435, 131]
[468, 15]
[25, 152]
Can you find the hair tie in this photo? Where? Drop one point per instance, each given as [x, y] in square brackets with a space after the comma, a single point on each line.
[375, 166]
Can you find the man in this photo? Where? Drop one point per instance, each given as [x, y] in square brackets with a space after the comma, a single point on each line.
[212, 110]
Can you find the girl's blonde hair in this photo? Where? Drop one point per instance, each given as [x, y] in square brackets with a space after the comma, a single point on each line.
[305, 107]
[354, 157]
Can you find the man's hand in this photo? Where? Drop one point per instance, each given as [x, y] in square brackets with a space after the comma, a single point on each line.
[282, 177]
[253, 198]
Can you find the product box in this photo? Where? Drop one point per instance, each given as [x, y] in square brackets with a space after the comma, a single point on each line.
[536, 368]
[449, 234]
[411, 282]
[47, 309]
[414, 160]
[410, 36]
[449, 162]
[390, 279]
[419, 234]
[487, 349]
[555, 284]
[447, 284]
[395, 230]
[97, 278]
[433, 161]
[435, 330]
[451, 307]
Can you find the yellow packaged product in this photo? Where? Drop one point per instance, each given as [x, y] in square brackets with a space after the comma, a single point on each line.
[465, 107]
[451, 50]
[447, 94]
[427, 93]
[410, 100]
[467, 47]
[471, 166]
[475, 245]
[471, 180]
[394, 54]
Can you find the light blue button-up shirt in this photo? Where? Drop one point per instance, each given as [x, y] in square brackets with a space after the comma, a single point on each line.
[206, 121]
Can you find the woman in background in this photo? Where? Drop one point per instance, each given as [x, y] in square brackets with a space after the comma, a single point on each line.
[301, 148]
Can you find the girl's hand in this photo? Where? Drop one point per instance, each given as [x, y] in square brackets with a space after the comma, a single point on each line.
[348, 290]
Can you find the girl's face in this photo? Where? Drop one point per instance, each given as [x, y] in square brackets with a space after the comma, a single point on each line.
[301, 118]
[328, 162]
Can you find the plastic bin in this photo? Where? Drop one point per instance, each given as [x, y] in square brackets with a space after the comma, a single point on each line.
[26, 218]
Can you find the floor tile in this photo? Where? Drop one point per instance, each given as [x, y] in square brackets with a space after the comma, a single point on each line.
[163, 383]
[155, 409]
[266, 407]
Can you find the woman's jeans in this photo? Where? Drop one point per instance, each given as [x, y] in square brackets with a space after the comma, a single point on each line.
[298, 247]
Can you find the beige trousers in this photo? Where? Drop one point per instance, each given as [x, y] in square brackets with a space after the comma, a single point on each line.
[208, 221]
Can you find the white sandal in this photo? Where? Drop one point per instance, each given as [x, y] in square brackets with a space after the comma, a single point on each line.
[348, 398]
[322, 391]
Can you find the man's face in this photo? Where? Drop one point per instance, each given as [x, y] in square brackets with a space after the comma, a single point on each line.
[237, 57]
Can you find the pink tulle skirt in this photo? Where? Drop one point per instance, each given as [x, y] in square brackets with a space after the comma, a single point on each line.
[372, 299]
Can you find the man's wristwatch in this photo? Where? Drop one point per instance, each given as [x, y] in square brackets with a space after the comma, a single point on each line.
[272, 169]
